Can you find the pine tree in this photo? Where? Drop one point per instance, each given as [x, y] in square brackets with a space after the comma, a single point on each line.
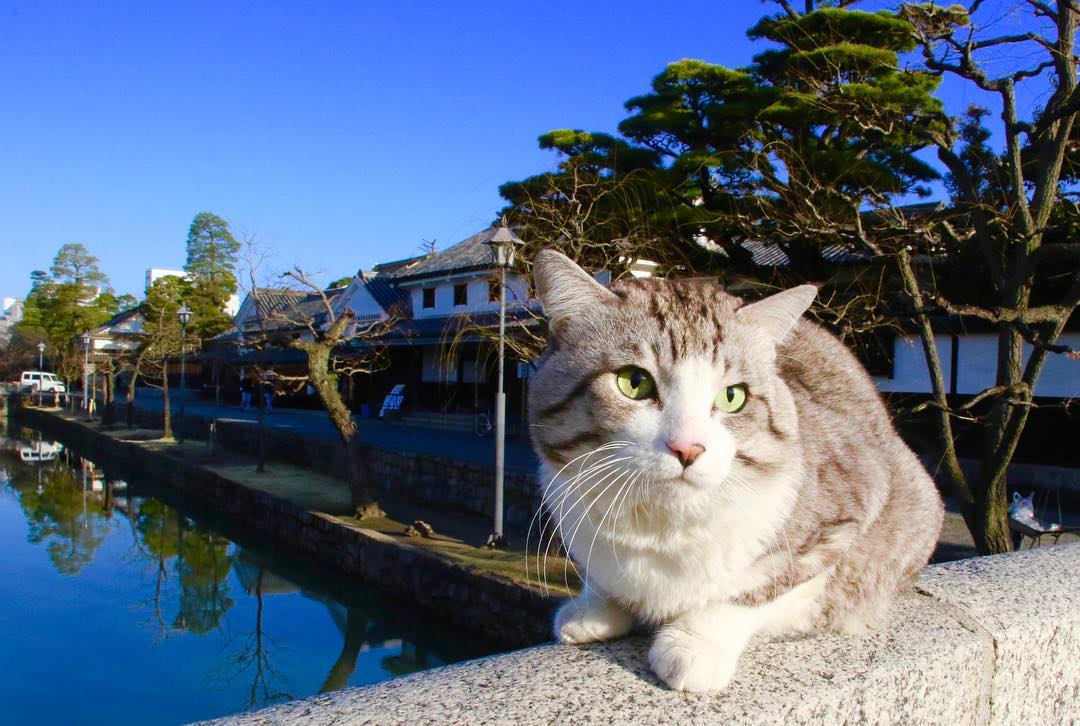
[211, 267]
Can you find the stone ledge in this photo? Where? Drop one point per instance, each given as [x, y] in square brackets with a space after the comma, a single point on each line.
[988, 640]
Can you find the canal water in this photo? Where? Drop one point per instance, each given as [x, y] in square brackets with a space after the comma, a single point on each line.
[117, 607]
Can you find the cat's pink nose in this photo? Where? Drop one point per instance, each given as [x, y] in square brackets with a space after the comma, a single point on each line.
[685, 452]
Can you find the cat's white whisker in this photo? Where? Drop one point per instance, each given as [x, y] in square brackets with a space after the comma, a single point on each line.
[608, 470]
[567, 491]
[627, 488]
[549, 490]
[627, 474]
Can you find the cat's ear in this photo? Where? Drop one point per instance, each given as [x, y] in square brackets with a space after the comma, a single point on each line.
[778, 314]
[564, 289]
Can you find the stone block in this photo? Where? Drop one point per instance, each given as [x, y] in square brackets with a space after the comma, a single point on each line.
[917, 670]
[1029, 604]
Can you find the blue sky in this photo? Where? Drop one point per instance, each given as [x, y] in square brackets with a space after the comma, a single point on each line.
[340, 133]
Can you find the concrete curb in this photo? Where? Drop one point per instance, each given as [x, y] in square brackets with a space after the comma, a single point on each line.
[987, 640]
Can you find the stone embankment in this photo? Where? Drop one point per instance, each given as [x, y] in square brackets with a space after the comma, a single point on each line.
[425, 479]
[992, 640]
[501, 610]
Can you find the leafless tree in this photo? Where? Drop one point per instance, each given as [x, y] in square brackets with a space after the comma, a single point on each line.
[334, 343]
[1005, 224]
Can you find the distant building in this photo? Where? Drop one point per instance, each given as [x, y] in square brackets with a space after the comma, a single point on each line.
[156, 273]
[232, 305]
[10, 316]
[121, 333]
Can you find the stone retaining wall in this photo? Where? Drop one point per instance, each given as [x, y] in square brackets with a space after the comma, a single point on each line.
[420, 478]
[990, 640]
[504, 611]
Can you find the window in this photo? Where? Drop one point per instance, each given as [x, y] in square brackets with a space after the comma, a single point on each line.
[429, 298]
[493, 291]
[461, 295]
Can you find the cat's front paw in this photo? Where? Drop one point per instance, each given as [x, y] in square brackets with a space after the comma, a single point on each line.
[689, 663]
[580, 621]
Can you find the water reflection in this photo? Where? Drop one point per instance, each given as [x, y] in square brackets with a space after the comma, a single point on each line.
[188, 584]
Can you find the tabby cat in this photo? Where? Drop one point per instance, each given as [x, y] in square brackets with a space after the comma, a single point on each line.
[717, 469]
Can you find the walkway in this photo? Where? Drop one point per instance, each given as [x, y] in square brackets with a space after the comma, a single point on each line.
[456, 445]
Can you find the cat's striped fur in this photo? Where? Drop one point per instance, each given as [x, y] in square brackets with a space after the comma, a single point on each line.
[803, 511]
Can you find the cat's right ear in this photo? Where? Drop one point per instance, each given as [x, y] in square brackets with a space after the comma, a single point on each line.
[565, 290]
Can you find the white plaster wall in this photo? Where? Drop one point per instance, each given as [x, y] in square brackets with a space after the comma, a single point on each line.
[977, 366]
[516, 290]
[910, 373]
[1061, 374]
[360, 301]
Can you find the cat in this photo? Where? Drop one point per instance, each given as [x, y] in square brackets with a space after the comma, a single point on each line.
[716, 469]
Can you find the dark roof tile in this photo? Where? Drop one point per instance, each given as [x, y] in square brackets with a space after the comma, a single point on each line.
[470, 254]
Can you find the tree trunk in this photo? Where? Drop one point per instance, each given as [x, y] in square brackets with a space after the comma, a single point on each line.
[362, 488]
[167, 415]
[993, 519]
[361, 483]
[355, 631]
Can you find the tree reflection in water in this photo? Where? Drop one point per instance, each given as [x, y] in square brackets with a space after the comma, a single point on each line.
[63, 516]
[203, 563]
[71, 507]
[255, 650]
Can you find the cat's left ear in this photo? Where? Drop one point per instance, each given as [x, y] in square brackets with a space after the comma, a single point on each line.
[778, 314]
[565, 290]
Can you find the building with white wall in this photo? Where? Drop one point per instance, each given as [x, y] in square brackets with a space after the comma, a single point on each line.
[156, 273]
[10, 316]
[969, 365]
[232, 305]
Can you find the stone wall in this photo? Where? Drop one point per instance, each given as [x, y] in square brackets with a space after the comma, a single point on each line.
[420, 478]
[504, 611]
[984, 641]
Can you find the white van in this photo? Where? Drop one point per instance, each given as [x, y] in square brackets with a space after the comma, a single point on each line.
[34, 381]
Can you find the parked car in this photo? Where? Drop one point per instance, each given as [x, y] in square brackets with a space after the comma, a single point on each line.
[36, 451]
[35, 381]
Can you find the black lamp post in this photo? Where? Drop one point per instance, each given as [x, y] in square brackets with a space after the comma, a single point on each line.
[504, 244]
[184, 314]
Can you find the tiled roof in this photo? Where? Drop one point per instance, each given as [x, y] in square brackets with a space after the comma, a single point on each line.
[396, 266]
[276, 300]
[470, 254]
[390, 298]
[120, 317]
[283, 308]
[770, 254]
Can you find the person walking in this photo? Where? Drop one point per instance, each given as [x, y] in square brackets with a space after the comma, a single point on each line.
[269, 378]
[245, 393]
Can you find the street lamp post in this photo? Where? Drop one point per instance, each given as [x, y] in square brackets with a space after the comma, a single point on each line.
[40, 367]
[504, 244]
[86, 340]
[184, 314]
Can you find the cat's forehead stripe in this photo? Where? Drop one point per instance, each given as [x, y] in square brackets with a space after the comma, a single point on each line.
[687, 316]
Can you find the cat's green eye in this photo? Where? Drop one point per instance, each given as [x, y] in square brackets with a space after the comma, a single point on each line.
[731, 399]
[635, 383]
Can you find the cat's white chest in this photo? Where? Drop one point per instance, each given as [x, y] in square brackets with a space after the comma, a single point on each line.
[661, 567]
[659, 585]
